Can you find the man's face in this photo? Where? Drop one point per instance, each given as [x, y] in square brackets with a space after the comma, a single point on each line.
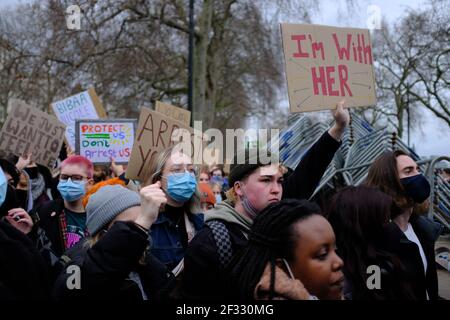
[406, 167]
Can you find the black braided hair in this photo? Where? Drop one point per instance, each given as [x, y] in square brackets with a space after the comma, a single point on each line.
[271, 237]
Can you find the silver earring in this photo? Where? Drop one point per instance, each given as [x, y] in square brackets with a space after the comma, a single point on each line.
[288, 268]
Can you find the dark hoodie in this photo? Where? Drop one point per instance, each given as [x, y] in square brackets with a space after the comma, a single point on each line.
[23, 274]
[10, 202]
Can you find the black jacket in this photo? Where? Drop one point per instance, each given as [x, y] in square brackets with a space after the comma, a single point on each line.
[105, 268]
[408, 253]
[46, 217]
[203, 278]
[394, 285]
[23, 273]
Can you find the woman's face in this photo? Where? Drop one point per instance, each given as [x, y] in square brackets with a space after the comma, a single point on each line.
[203, 178]
[23, 182]
[316, 263]
[217, 173]
[262, 187]
[216, 189]
[177, 163]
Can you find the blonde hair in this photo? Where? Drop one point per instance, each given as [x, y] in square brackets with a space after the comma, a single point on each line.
[153, 174]
[91, 241]
[231, 196]
[205, 169]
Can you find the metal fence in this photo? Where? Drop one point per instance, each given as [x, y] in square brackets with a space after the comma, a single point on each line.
[361, 145]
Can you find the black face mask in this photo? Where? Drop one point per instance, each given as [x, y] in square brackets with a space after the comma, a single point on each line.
[416, 187]
[22, 196]
[32, 172]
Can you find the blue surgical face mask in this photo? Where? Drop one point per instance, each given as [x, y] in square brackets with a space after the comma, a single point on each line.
[218, 198]
[72, 191]
[3, 187]
[217, 179]
[181, 186]
[248, 206]
[416, 187]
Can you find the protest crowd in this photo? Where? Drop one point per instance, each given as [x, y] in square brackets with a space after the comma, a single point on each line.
[197, 233]
[98, 208]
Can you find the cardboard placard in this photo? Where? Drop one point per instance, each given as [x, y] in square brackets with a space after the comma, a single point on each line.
[29, 130]
[179, 114]
[99, 140]
[155, 133]
[327, 64]
[84, 105]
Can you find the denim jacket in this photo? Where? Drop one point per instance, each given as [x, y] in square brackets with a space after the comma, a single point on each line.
[166, 239]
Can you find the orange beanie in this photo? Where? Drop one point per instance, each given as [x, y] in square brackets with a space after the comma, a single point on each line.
[206, 194]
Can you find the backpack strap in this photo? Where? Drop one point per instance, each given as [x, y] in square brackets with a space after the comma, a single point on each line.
[223, 242]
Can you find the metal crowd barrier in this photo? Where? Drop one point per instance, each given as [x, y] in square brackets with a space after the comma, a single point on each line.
[361, 145]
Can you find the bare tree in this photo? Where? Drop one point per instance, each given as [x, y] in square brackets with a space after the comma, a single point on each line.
[412, 68]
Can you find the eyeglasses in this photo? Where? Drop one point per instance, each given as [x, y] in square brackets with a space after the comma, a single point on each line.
[183, 170]
[74, 177]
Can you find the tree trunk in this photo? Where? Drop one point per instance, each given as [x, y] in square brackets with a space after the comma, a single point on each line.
[201, 104]
[400, 112]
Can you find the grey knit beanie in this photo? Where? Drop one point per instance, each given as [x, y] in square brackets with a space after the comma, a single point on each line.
[106, 204]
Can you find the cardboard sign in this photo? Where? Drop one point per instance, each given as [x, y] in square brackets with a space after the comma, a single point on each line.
[29, 130]
[85, 105]
[179, 114]
[99, 140]
[327, 64]
[155, 133]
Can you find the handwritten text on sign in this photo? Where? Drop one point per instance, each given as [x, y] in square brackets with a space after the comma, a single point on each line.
[79, 106]
[326, 64]
[99, 140]
[179, 114]
[29, 130]
[155, 133]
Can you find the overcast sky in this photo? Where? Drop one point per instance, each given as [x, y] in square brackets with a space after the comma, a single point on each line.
[434, 137]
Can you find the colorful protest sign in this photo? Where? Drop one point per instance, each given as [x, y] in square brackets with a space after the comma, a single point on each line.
[84, 105]
[99, 140]
[179, 114]
[155, 133]
[29, 130]
[327, 64]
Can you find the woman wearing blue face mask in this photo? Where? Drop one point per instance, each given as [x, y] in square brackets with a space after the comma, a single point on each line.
[63, 221]
[179, 219]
